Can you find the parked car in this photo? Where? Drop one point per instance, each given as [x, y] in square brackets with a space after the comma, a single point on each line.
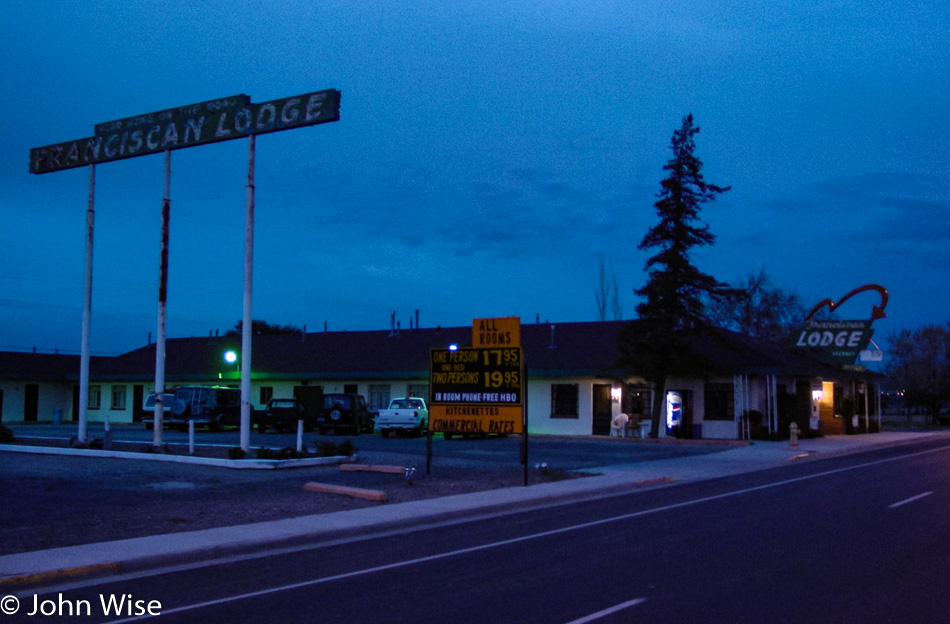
[282, 415]
[214, 406]
[149, 406]
[404, 415]
[344, 411]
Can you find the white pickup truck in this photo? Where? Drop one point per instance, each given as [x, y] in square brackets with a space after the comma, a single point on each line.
[404, 415]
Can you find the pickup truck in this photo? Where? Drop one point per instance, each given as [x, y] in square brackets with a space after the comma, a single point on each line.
[345, 411]
[404, 415]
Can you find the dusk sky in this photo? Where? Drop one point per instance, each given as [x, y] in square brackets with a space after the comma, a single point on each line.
[488, 156]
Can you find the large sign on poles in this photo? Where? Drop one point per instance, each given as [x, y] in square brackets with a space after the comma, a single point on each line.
[223, 119]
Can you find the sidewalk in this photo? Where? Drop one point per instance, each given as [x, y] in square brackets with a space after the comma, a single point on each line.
[141, 553]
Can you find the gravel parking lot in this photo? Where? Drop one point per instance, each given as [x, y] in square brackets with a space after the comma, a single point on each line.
[49, 501]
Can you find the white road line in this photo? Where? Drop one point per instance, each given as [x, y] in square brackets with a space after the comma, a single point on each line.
[524, 538]
[909, 500]
[606, 612]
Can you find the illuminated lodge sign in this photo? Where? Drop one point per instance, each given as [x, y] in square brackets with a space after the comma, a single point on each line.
[476, 390]
[223, 119]
[839, 341]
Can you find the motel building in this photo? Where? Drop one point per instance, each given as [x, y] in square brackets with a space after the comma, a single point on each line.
[574, 385]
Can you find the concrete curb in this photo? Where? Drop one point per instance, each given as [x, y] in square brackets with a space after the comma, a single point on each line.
[371, 468]
[374, 495]
[239, 464]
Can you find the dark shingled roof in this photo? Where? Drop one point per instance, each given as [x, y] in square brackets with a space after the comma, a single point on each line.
[561, 349]
[40, 366]
[550, 350]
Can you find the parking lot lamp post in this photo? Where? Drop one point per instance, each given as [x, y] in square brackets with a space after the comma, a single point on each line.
[231, 357]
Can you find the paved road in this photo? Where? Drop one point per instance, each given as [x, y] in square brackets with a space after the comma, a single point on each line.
[860, 539]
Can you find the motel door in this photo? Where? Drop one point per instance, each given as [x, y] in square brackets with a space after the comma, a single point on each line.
[602, 409]
[138, 399]
[31, 402]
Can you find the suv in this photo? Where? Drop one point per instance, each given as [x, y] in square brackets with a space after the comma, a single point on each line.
[214, 406]
[282, 415]
[345, 411]
[149, 406]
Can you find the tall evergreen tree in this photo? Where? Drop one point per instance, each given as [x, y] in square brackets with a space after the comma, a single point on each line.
[657, 346]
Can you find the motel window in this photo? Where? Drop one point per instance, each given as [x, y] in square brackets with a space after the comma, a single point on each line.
[637, 401]
[564, 401]
[418, 390]
[719, 401]
[118, 397]
[267, 393]
[95, 397]
[378, 396]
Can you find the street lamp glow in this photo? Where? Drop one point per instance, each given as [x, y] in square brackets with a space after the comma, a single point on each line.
[230, 357]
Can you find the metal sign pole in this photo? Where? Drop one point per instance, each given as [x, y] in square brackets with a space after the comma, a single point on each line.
[158, 421]
[524, 417]
[248, 287]
[86, 310]
[429, 448]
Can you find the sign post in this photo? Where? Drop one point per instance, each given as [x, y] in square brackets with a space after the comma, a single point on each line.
[480, 390]
[86, 309]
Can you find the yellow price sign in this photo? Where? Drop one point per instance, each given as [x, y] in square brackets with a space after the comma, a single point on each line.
[496, 332]
[475, 419]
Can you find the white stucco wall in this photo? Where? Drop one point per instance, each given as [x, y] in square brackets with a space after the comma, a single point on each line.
[13, 401]
[51, 396]
[539, 408]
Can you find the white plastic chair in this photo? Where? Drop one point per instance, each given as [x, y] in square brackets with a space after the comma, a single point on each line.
[618, 426]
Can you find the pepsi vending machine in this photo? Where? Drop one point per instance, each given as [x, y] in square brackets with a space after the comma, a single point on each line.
[679, 420]
[674, 414]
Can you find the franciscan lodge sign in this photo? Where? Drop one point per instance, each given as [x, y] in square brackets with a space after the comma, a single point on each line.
[839, 342]
[197, 124]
